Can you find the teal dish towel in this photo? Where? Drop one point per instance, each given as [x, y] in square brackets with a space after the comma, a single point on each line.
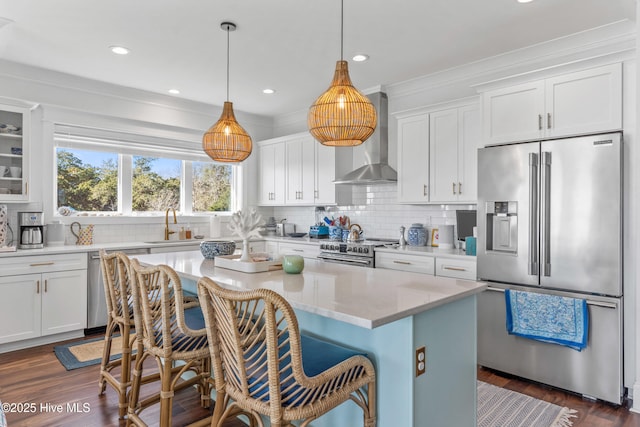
[548, 318]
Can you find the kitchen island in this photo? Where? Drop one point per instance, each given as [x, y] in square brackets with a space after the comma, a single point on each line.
[389, 314]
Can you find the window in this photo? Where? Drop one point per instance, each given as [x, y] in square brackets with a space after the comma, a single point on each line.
[102, 172]
[87, 180]
[156, 184]
[211, 189]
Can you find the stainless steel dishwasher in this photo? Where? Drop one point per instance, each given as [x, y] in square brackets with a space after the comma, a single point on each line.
[96, 304]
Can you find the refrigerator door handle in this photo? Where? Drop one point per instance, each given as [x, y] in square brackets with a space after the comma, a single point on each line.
[533, 264]
[545, 211]
[602, 304]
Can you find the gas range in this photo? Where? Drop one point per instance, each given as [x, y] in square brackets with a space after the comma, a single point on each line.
[353, 253]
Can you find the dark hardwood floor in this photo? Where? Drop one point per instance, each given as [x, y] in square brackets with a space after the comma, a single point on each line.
[35, 376]
[590, 413]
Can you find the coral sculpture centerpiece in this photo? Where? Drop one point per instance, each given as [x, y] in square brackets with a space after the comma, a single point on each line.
[245, 225]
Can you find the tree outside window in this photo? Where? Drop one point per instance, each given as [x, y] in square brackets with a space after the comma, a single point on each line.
[211, 187]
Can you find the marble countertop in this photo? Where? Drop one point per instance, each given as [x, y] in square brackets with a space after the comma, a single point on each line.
[366, 297]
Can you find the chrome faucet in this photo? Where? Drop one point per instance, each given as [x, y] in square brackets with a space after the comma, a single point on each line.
[167, 232]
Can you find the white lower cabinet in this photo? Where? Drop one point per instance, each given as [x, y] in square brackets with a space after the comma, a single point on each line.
[52, 299]
[456, 267]
[306, 250]
[405, 262]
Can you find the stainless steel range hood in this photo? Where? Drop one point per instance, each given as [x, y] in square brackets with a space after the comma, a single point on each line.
[377, 169]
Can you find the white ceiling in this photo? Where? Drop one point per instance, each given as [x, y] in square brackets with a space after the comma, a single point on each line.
[288, 45]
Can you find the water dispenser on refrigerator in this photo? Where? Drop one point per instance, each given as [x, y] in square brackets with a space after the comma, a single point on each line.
[502, 227]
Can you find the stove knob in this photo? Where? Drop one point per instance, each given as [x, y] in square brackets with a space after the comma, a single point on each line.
[365, 250]
[349, 249]
[322, 246]
[360, 250]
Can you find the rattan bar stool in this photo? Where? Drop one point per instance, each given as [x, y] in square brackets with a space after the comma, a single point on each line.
[117, 288]
[170, 330]
[263, 365]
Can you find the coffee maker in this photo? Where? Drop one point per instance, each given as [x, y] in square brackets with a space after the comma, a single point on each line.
[31, 230]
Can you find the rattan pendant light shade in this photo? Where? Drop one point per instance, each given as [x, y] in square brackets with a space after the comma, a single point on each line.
[342, 116]
[226, 141]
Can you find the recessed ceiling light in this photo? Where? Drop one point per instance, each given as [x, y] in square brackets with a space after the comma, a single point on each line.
[268, 91]
[119, 50]
[524, 1]
[174, 91]
[360, 57]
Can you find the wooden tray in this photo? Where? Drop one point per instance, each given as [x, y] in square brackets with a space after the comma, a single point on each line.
[233, 262]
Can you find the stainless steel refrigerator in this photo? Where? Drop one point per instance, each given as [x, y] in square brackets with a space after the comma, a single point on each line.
[550, 221]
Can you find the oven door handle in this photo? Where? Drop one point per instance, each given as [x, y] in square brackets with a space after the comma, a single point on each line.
[364, 262]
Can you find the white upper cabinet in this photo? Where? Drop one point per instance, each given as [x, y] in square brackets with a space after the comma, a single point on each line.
[14, 153]
[582, 102]
[325, 169]
[300, 171]
[437, 154]
[454, 138]
[272, 174]
[413, 159]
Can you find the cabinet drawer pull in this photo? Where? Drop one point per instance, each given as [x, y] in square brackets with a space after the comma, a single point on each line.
[401, 262]
[454, 268]
[39, 264]
[297, 250]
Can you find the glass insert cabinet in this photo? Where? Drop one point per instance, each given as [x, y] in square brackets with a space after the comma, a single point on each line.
[14, 149]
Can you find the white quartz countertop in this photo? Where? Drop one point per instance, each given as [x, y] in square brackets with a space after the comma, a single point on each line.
[366, 297]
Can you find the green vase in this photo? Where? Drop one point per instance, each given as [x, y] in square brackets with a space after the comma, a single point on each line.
[292, 264]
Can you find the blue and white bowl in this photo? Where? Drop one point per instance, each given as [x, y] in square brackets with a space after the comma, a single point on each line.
[212, 248]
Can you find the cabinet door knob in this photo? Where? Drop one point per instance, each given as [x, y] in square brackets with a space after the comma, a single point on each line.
[453, 187]
[548, 120]
[425, 190]
[45, 285]
[37, 286]
[459, 188]
[539, 121]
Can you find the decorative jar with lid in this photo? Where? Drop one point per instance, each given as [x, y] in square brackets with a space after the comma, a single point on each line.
[417, 235]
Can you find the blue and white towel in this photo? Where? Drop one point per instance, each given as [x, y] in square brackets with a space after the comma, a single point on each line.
[548, 318]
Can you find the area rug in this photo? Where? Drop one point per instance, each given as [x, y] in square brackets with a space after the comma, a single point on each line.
[79, 354]
[499, 407]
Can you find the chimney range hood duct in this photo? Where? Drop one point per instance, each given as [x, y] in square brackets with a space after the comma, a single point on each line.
[377, 169]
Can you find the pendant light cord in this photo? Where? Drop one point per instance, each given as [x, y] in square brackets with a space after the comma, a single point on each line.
[228, 63]
[341, 30]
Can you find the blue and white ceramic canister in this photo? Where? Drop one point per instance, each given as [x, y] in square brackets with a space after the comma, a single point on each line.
[417, 235]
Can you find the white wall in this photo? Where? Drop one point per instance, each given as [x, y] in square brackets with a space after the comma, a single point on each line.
[64, 99]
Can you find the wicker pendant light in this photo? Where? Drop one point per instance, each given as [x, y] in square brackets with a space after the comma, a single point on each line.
[342, 116]
[226, 141]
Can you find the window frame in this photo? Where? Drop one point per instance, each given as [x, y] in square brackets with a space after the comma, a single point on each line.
[126, 146]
